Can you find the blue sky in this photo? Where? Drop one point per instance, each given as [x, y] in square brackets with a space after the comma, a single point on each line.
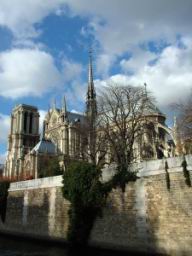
[44, 51]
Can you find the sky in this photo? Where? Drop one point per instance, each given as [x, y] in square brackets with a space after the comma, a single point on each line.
[44, 51]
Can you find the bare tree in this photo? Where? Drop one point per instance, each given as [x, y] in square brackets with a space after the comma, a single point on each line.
[122, 111]
[93, 142]
[183, 126]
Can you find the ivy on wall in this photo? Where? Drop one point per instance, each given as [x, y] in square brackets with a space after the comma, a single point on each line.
[122, 178]
[82, 186]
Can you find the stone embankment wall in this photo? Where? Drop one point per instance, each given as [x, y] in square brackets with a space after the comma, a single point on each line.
[147, 216]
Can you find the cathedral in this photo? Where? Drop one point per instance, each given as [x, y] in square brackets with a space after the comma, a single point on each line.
[28, 152]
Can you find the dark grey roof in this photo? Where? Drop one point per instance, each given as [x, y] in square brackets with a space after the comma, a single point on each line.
[75, 117]
[153, 109]
[25, 106]
[44, 146]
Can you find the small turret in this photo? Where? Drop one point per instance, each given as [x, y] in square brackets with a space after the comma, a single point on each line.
[64, 109]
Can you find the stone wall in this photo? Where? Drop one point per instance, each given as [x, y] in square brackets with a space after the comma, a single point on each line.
[37, 207]
[147, 216]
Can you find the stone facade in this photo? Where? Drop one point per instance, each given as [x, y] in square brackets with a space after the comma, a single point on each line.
[24, 135]
[146, 217]
[61, 136]
[63, 130]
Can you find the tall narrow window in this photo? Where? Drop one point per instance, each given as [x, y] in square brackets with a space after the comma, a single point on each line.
[30, 122]
[25, 122]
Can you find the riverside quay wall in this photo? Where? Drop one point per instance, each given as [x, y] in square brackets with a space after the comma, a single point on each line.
[146, 217]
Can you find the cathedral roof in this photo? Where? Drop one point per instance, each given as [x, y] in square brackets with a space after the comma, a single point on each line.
[71, 116]
[152, 109]
[44, 146]
[75, 117]
[25, 106]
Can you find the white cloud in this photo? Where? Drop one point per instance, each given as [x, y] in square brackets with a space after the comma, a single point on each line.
[75, 94]
[103, 64]
[117, 25]
[71, 70]
[76, 112]
[42, 114]
[138, 59]
[28, 44]
[4, 127]
[169, 78]
[27, 72]
[21, 15]
[120, 26]
[32, 72]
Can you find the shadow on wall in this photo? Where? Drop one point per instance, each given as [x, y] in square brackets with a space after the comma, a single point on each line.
[35, 217]
[4, 186]
[169, 212]
[148, 216]
[124, 221]
[3, 209]
[113, 225]
[28, 212]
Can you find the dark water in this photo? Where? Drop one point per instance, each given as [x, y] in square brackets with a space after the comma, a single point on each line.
[10, 246]
[15, 247]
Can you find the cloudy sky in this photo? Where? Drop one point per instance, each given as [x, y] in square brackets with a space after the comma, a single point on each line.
[44, 50]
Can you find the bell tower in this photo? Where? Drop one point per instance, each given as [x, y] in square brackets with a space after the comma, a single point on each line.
[24, 135]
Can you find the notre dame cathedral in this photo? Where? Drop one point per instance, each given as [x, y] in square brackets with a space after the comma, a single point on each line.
[60, 136]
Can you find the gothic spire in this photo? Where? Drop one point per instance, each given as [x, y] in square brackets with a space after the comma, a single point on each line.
[64, 105]
[64, 108]
[91, 90]
[91, 112]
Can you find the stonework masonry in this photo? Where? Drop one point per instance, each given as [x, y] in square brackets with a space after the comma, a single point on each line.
[146, 217]
[69, 135]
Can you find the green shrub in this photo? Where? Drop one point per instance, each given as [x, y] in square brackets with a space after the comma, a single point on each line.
[122, 178]
[82, 187]
[49, 166]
